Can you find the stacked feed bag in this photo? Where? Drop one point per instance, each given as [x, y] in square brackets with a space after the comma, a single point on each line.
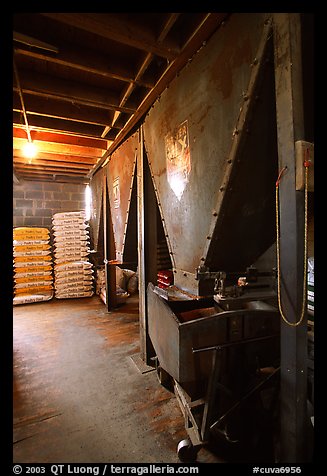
[73, 272]
[33, 279]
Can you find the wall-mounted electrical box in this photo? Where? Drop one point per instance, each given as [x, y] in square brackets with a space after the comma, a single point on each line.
[304, 152]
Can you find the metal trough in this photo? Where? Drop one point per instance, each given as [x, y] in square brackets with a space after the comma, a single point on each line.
[178, 327]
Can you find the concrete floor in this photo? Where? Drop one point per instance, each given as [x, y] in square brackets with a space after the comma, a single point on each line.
[79, 395]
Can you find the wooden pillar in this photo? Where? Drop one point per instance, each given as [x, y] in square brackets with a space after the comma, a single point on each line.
[109, 250]
[147, 245]
[290, 128]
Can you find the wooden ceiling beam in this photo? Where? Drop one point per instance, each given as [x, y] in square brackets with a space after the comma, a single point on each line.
[39, 168]
[64, 126]
[87, 61]
[37, 135]
[67, 111]
[147, 60]
[51, 163]
[65, 149]
[112, 27]
[71, 91]
[70, 159]
[205, 29]
[56, 178]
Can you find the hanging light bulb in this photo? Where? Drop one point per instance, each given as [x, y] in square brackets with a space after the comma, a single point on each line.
[30, 150]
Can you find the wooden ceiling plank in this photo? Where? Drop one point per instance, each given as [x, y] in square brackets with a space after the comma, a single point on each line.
[114, 28]
[56, 137]
[49, 163]
[57, 148]
[71, 159]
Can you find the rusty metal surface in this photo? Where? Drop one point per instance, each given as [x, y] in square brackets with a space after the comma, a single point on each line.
[208, 95]
[120, 174]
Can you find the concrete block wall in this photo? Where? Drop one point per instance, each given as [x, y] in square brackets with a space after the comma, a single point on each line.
[34, 202]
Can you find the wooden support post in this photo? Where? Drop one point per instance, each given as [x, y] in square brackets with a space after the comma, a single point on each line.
[147, 245]
[290, 128]
[109, 250]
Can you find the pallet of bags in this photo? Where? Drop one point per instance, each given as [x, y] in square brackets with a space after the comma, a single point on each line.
[73, 273]
[32, 261]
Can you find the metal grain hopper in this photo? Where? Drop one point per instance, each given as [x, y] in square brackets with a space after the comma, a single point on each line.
[211, 147]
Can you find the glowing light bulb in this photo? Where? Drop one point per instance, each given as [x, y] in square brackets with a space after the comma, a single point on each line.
[30, 150]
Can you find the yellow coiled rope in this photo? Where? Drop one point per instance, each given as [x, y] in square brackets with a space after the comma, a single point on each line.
[304, 296]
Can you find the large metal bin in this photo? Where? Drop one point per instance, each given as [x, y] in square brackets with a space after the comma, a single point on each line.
[175, 340]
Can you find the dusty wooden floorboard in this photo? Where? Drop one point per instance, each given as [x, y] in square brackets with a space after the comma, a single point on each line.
[79, 397]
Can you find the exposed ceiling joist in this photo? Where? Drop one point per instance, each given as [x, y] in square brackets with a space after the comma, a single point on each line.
[94, 76]
[117, 29]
